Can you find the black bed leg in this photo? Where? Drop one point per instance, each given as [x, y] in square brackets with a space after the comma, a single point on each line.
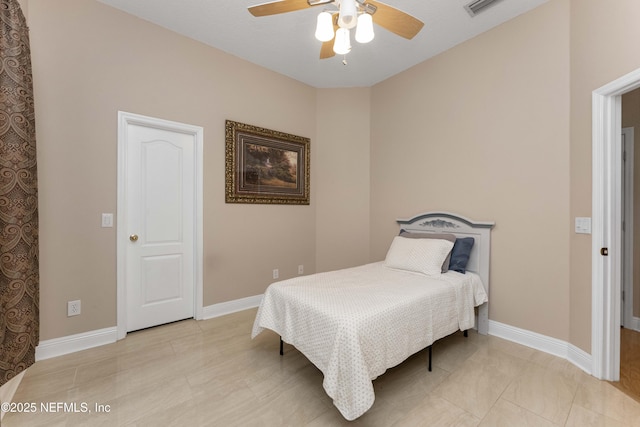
[466, 333]
[429, 358]
[281, 347]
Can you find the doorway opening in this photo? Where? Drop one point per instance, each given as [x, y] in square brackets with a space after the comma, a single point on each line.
[629, 199]
[607, 238]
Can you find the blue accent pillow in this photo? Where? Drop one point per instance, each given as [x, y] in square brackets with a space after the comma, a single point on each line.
[460, 254]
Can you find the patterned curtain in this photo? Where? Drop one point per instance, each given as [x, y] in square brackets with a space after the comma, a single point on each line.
[19, 277]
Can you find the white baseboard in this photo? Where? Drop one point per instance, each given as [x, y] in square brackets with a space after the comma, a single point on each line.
[72, 343]
[223, 308]
[83, 341]
[580, 358]
[635, 324]
[543, 343]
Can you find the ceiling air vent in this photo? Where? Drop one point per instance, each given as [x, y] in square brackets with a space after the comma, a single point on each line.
[477, 6]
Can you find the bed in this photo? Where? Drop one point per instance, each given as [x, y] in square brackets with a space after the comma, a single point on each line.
[354, 324]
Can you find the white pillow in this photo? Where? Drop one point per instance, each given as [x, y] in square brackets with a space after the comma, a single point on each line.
[420, 255]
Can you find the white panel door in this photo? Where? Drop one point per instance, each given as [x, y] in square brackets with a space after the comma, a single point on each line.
[160, 207]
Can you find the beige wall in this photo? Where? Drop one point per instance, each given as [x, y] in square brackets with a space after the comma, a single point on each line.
[510, 109]
[483, 130]
[341, 189]
[89, 61]
[631, 118]
[603, 48]
[498, 128]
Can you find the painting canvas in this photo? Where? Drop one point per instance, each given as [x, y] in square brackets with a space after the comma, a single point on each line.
[265, 166]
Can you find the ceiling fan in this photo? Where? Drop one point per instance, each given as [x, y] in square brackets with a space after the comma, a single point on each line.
[333, 26]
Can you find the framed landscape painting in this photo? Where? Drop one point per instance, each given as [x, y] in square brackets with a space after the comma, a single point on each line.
[265, 166]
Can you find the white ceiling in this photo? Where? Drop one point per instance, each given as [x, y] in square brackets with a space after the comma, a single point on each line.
[285, 43]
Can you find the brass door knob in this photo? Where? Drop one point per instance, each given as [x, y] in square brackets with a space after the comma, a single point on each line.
[133, 237]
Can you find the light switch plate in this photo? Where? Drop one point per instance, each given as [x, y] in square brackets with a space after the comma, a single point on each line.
[583, 225]
[107, 220]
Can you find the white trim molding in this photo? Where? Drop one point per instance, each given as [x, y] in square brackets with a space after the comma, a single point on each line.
[580, 358]
[83, 341]
[72, 343]
[542, 343]
[224, 308]
[86, 340]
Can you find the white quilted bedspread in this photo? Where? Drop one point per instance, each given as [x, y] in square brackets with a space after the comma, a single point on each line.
[354, 324]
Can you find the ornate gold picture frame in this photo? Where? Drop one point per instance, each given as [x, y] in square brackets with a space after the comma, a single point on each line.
[265, 166]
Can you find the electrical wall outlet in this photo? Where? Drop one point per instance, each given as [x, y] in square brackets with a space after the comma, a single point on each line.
[301, 269]
[73, 308]
[276, 273]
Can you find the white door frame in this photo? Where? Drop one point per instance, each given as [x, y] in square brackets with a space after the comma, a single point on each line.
[627, 272]
[606, 225]
[125, 119]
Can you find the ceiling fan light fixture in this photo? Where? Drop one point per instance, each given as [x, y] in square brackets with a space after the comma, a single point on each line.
[324, 27]
[364, 30]
[348, 17]
[342, 42]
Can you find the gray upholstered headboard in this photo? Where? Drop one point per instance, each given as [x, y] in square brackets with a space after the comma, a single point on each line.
[479, 261]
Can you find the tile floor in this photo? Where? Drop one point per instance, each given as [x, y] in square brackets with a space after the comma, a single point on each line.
[210, 373]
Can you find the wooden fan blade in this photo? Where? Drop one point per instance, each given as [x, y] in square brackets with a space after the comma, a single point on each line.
[277, 7]
[326, 51]
[395, 20]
